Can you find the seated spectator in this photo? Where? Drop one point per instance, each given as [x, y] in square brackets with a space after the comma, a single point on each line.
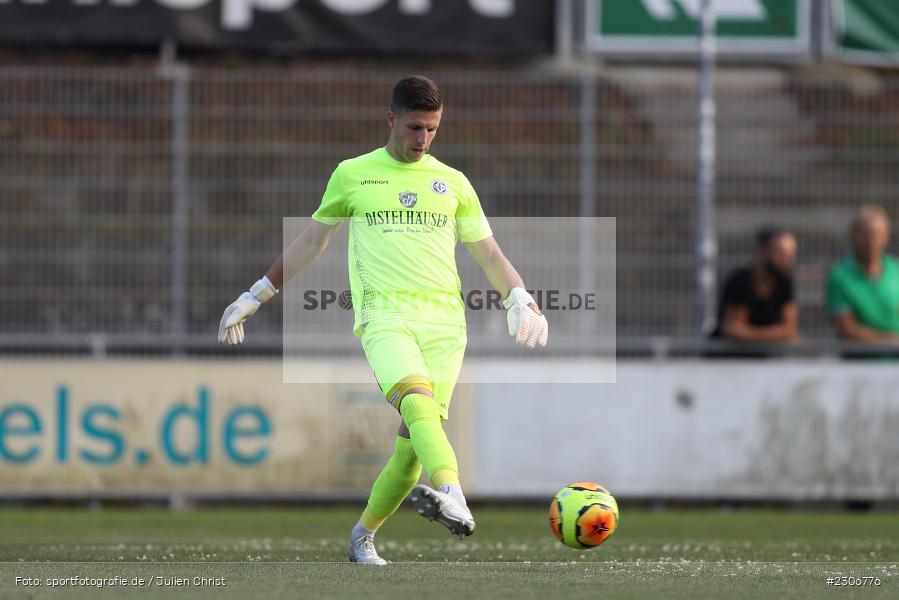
[757, 302]
[862, 292]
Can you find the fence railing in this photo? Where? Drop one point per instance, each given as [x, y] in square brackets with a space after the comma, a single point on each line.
[136, 203]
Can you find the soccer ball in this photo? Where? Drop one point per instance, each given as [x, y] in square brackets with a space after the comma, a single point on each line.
[583, 515]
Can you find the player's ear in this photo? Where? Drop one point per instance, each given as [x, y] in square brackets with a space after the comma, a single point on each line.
[391, 119]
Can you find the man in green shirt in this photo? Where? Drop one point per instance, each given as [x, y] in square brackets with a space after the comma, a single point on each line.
[863, 289]
[406, 210]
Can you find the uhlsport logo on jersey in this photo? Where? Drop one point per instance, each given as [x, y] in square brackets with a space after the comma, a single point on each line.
[439, 186]
[408, 199]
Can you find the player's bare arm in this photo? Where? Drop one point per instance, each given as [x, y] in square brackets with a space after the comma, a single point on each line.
[526, 323]
[737, 325]
[497, 268]
[850, 329]
[301, 253]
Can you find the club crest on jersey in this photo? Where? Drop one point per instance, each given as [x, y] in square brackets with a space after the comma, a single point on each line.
[439, 186]
[408, 199]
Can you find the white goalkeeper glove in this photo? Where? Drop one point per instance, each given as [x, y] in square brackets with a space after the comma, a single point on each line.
[231, 325]
[526, 323]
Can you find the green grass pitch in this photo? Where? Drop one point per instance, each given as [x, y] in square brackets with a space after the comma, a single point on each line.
[300, 553]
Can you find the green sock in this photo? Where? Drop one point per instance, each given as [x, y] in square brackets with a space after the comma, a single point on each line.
[393, 484]
[422, 417]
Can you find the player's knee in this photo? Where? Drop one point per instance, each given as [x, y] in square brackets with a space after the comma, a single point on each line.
[424, 391]
[413, 384]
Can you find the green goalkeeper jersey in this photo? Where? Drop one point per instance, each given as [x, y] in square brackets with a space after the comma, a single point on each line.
[405, 220]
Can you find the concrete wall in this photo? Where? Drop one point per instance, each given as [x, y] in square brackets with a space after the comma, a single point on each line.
[804, 430]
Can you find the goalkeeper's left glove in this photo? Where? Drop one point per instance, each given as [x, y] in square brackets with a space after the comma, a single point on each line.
[526, 323]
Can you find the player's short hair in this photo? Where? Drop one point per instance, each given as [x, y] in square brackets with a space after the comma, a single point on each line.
[415, 92]
[765, 236]
[869, 212]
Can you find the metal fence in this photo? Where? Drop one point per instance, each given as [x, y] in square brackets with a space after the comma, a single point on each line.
[136, 203]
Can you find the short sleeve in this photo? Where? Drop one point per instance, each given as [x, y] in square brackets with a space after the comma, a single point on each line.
[735, 292]
[471, 223]
[835, 298]
[334, 206]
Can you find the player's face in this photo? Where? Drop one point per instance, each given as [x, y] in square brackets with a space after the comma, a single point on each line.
[870, 238]
[411, 133]
[782, 254]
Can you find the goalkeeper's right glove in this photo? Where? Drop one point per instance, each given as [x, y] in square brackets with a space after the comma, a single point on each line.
[231, 325]
[526, 323]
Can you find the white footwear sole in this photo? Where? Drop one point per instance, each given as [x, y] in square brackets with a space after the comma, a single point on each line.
[437, 506]
[372, 563]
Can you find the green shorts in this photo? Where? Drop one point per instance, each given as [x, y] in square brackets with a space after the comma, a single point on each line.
[408, 351]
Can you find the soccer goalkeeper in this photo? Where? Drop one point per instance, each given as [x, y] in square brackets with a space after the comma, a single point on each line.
[406, 212]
